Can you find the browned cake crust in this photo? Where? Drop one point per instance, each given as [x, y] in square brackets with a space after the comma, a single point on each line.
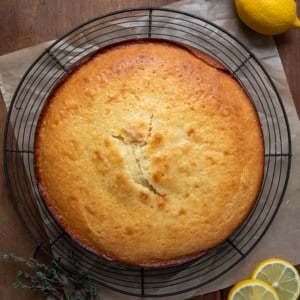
[149, 153]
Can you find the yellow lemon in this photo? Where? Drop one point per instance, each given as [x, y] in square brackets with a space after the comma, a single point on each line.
[268, 17]
[252, 289]
[281, 275]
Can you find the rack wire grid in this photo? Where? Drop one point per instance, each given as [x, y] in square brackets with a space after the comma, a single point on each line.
[57, 60]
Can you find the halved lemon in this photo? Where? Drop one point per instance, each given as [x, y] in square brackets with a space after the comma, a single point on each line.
[252, 289]
[281, 275]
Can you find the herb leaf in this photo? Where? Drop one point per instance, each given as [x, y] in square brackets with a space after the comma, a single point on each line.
[52, 280]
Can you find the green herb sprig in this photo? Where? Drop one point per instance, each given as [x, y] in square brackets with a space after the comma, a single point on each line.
[52, 280]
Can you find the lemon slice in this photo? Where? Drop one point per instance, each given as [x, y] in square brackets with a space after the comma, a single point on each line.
[281, 275]
[252, 289]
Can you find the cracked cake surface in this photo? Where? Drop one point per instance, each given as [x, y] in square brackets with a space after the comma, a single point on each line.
[149, 153]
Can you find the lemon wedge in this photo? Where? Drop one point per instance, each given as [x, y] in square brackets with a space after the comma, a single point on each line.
[252, 289]
[281, 275]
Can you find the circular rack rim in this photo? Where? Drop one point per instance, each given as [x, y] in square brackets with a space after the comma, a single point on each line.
[7, 151]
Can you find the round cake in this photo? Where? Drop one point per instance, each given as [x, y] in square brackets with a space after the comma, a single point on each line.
[149, 153]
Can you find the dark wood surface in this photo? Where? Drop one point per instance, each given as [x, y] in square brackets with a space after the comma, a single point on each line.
[24, 23]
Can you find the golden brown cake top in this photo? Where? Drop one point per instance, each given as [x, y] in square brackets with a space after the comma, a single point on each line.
[149, 153]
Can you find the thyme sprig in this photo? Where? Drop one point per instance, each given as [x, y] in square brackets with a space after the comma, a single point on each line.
[52, 280]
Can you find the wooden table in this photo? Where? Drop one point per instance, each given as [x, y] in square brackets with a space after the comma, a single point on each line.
[26, 23]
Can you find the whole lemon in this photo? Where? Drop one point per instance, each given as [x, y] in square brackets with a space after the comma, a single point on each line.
[268, 17]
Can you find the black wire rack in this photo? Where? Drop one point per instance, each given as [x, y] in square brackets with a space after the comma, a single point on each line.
[57, 60]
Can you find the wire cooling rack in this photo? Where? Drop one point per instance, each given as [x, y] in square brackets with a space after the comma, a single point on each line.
[57, 60]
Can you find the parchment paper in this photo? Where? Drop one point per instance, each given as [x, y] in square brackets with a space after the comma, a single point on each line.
[282, 239]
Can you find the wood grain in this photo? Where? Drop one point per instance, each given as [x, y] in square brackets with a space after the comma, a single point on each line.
[24, 23]
[288, 45]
